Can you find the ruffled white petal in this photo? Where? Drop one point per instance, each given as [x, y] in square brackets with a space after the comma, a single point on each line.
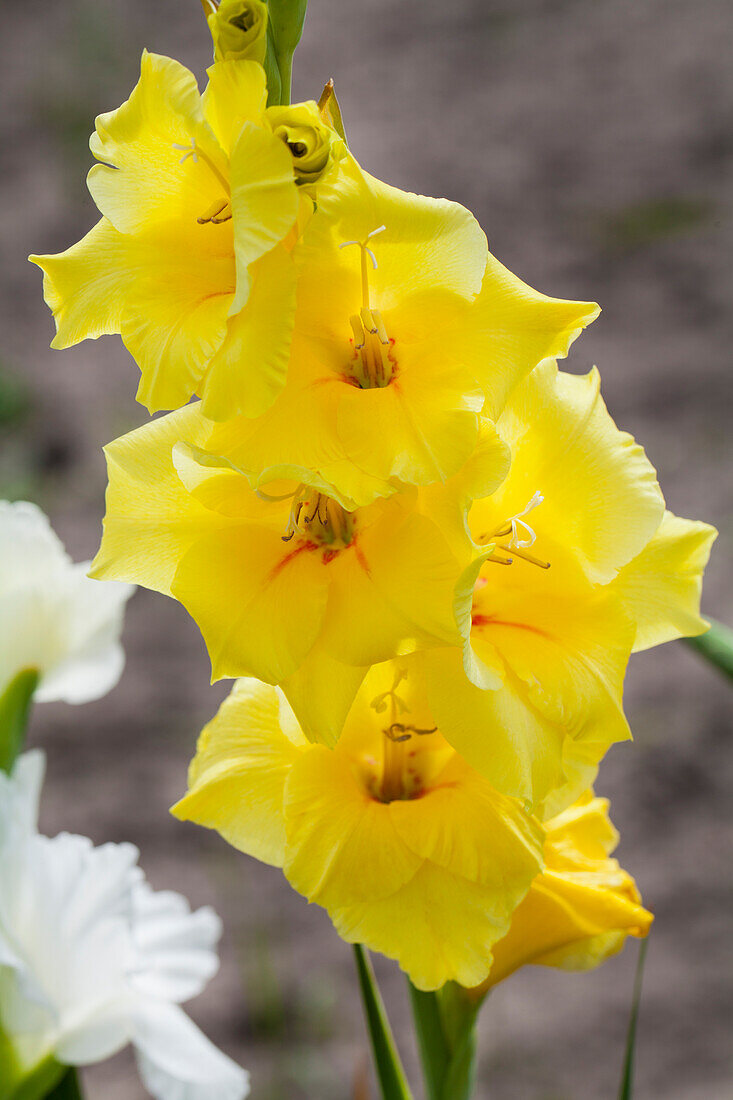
[55, 618]
[178, 1062]
[175, 947]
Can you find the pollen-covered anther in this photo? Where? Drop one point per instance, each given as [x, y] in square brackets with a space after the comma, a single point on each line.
[220, 210]
[398, 732]
[371, 343]
[317, 518]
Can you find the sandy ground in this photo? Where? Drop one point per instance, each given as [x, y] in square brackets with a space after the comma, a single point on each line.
[595, 143]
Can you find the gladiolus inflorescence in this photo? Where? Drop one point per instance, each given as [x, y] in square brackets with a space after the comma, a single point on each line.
[425, 552]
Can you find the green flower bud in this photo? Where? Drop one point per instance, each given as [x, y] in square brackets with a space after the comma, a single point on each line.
[239, 30]
[307, 137]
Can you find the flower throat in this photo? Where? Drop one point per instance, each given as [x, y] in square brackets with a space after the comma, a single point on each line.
[372, 365]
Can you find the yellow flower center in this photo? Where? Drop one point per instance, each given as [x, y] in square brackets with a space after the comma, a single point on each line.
[221, 209]
[316, 517]
[399, 779]
[372, 365]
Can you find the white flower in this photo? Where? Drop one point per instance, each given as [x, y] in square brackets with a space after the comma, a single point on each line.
[91, 958]
[52, 616]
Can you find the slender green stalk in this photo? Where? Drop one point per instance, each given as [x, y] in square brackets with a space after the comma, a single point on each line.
[433, 1046]
[284, 28]
[626, 1089]
[15, 705]
[716, 646]
[391, 1075]
[445, 1023]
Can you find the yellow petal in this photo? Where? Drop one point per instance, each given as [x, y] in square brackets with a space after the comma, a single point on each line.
[580, 910]
[81, 286]
[465, 826]
[342, 844]
[660, 588]
[518, 328]
[177, 286]
[438, 927]
[142, 181]
[321, 693]
[249, 369]
[264, 200]
[601, 502]
[236, 93]
[300, 427]
[261, 604]
[481, 475]
[392, 589]
[151, 519]
[420, 428]
[427, 244]
[499, 732]
[237, 779]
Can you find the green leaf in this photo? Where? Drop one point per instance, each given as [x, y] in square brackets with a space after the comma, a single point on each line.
[15, 704]
[626, 1090]
[68, 1088]
[38, 1084]
[445, 1023]
[390, 1074]
[284, 28]
[716, 646]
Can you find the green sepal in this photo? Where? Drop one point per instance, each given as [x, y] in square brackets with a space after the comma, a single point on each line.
[15, 704]
[716, 646]
[328, 106]
[284, 28]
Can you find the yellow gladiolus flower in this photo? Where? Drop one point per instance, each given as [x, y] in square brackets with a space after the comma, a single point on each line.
[582, 907]
[582, 565]
[270, 566]
[192, 260]
[238, 28]
[406, 331]
[409, 849]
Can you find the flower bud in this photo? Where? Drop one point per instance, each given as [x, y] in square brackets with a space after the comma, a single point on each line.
[307, 137]
[239, 30]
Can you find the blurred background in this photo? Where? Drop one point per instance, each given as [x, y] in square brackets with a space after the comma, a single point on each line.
[594, 141]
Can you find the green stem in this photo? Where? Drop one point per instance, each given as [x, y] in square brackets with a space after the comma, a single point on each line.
[431, 1040]
[445, 1023]
[284, 28]
[391, 1075]
[627, 1078]
[716, 646]
[15, 705]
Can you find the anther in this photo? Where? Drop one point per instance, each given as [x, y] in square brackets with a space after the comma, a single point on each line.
[398, 733]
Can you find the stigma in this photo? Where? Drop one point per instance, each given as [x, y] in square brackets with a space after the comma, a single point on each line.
[519, 538]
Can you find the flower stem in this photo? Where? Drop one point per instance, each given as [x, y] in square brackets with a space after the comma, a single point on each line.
[716, 646]
[391, 1075]
[445, 1023]
[626, 1089]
